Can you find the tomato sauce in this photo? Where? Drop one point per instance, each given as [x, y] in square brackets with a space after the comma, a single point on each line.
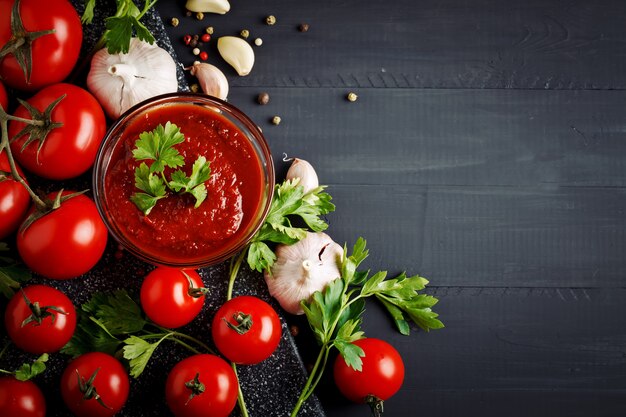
[175, 230]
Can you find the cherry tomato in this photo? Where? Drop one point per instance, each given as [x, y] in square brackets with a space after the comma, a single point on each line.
[246, 330]
[53, 55]
[220, 387]
[168, 298]
[14, 200]
[21, 398]
[381, 377]
[4, 98]
[65, 243]
[40, 319]
[103, 388]
[68, 150]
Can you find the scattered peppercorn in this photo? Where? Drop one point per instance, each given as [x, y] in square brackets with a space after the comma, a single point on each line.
[294, 330]
[263, 98]
[270, 20]
[175, 21]
[187, 39]
[258, 41]
[188, 13]
[204, 55]
[245, 33]
[199, 15]
[194, 88]
[205, 38]
[352, 96]
[209, 30]
[193, 43]
[276, 120]
[195, 51]
[304, 27]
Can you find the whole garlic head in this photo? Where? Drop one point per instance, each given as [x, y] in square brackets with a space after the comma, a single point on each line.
[119, 81]
[303, 268]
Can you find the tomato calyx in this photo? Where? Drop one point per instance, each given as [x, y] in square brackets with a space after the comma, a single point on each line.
[195, 386]
[21, 42]
[244, 322]
[195, 292]
[47, 207]
[39, 313]
[89, 390]
[43, 125]
[375, 404]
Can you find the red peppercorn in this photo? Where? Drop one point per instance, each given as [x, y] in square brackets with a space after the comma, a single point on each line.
[205, 37]
[187, 39]
[203, 56]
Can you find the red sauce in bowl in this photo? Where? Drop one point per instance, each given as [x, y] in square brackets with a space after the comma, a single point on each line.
[175, 232]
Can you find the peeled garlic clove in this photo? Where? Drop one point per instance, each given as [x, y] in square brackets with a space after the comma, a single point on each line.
[208, 6]
[305, 172]
[303, 268]
[212, 81]
[237, 52]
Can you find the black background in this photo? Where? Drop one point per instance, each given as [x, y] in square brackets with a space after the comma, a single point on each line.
[485, 152]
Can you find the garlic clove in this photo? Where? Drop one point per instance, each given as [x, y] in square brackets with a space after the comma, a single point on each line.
[305, 172]
[237, 52]
[303, 268]
[208, 6]
[212, 81]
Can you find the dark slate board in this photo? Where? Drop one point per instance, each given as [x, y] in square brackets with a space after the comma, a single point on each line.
[270, 388]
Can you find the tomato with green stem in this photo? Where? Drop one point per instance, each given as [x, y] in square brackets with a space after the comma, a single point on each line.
[64, 145]
[14, 198]
[67, 240]
[246, 330]
[201, 386]
[40, 319]
[172, 297]
[95, 385]
[40, 45]
[381, 376]
[21, 398]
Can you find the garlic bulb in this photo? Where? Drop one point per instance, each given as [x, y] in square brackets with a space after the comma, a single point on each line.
[305, 172]
[237, 52]
[208, 6]
[303, 268]
[119, 81]
[212, 81]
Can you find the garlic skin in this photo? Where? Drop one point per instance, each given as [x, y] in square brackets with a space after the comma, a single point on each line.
[305, 172]
[302, 269]
[237, 52]
[120, 81]
[212, 81]
[208, 6]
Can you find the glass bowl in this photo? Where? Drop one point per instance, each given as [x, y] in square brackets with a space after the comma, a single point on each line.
[175, 233]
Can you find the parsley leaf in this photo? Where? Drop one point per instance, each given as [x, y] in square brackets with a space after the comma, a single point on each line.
[158, 145]
[12, 275]
[29, 371]
[153, 186]
[194, 184]
[139, 352]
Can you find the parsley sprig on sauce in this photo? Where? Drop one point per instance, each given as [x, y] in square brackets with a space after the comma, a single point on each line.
[158, 146]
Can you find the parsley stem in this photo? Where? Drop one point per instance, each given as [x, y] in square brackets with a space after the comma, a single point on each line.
[184, 344]
[182, 336]
[235, 265]
[2, 371]
[314, 378]
[240, 399]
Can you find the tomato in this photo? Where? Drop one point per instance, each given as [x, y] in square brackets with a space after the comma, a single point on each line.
[4, 98]
[21, 398]
[246, 330]
[220, 387]
[14, 200]
[68, 150]
[65, 243]
[109, 388]
[381, 377]
[168, 300]
[44, 331]
[53, 55]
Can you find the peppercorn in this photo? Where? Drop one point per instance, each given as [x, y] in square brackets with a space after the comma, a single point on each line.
[276, 120]
[209, 30]
[195, 51]
[204, 55]
[304, 27]
[188, 13]
[352, 96]
[194, 88]
[258, 41]
[187, 39]
[175, 21]
[193, 43]
[270, 20]
[199, 15]
[263, 98]
[245, 33]
[293, 329]
[206, 37]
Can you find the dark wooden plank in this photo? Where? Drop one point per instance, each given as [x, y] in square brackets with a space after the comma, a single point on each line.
[555, 44]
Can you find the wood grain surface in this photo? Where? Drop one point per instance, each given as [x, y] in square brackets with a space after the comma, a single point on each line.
[486, 151]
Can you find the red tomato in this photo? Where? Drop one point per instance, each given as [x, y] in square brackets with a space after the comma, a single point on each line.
[53, 55]
[220, 387]
[68, 150]
[381, 377]
[166, 297]
[45, 331]
[110, 385]
[14, 200]
[4, 98]
[21, 398]
[246, 330]
[65, 243]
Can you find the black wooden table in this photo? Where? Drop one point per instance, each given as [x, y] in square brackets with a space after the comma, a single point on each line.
[485, 152]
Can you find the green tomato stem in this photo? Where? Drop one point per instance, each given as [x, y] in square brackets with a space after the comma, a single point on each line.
[313, 379]
[240, 399]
